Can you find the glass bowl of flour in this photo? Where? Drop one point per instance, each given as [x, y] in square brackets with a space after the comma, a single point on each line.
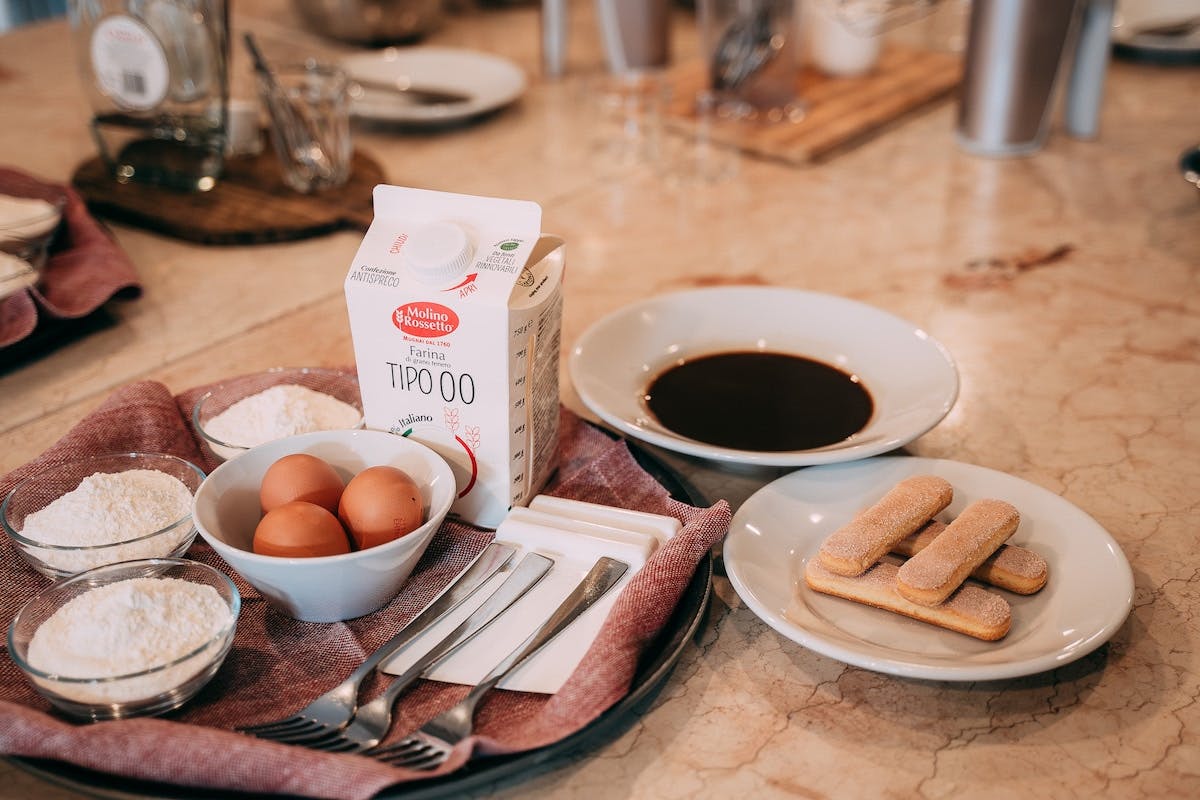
[261, 407]
[82, 514]
[131, 639]
[28, 225]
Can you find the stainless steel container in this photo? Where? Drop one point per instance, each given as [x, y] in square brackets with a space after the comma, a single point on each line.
[636, 34]
[1013, 60]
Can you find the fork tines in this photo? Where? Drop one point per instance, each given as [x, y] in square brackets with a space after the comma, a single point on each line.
[282, 728]
[413, 752]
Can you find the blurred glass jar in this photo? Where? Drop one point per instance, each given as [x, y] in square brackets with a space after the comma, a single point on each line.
[157, 75]
[370, 22]
[750, 50]
[309, 106]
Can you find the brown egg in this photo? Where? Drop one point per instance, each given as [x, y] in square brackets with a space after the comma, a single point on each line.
[301, 477]
[380, 504]
[300, 530]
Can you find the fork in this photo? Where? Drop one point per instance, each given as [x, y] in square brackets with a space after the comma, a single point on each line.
[336, 708]
[372, 720]
[430, 746]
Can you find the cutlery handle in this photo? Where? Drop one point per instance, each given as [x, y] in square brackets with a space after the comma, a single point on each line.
[260, 64]
[418, 94]
[603, 575]
[531, 570]
[492, 559]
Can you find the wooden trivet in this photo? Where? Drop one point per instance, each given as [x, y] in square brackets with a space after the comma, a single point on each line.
[838, 111]
[249, 205]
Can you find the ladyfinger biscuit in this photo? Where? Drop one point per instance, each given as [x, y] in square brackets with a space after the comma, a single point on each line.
[908, 505]
[1012, 567]
[931, 575]
[971, 610]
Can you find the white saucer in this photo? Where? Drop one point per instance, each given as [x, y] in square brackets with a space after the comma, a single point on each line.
[910, 376]
[491, 82]
[1134, 16]
[1086, 600]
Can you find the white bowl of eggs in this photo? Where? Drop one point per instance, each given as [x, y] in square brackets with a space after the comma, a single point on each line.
[327, 526]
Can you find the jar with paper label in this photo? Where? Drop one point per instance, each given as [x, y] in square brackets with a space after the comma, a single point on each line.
[157, 75]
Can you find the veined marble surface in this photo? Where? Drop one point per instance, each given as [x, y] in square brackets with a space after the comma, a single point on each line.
[1066, 285]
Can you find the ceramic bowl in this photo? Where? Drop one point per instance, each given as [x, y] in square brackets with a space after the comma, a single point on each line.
[336, 384]
[54, 556]
[323, 588]
[156, 689]
[370, 22]
[909, 375]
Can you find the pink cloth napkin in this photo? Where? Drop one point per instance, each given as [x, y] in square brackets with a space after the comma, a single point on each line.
[278, 664]
[84, 270]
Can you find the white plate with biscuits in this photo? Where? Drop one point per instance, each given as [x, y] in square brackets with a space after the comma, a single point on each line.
[776, 533]
[767, 414]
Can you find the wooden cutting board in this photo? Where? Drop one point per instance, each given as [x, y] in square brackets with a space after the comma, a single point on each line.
[839, 112]
[249, 205]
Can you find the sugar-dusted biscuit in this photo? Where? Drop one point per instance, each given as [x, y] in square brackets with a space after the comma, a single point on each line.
[931, 575]
[1013, 567]
[972, 610]
[908, 505]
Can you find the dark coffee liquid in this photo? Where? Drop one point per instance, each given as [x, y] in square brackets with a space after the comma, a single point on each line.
[768, 402]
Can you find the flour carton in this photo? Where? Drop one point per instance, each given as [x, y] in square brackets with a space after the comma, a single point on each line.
[455, 307]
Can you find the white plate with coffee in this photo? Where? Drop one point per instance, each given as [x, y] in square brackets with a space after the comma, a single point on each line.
[1087, 596]
[763, 376]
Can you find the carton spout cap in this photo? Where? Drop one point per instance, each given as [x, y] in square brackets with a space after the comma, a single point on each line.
[438, 252]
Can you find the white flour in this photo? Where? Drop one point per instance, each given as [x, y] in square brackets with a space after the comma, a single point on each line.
[280, 411]
[108, 508]
[127, 627]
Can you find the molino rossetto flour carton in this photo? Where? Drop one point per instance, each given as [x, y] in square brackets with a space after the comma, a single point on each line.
[455, 307]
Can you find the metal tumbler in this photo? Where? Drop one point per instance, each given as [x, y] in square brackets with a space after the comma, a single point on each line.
[1015, 49]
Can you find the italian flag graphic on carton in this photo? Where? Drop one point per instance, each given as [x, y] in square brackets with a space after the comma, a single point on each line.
[455, 307]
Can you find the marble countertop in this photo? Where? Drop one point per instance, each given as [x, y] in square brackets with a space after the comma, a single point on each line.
[1066, 285]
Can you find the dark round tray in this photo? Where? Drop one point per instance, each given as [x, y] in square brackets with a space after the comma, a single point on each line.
[494, 772]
